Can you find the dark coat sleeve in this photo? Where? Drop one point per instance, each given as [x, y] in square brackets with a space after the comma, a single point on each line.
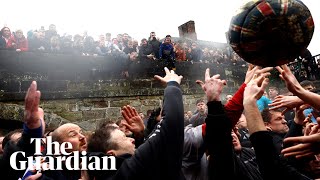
[218, 141]
[161, 155]
[271, 165]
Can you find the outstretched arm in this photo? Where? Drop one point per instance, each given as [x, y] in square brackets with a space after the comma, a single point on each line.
[163, 149]
[293, 86]
[270, 164]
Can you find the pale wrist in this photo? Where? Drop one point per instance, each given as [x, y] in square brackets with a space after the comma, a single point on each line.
[249, 101]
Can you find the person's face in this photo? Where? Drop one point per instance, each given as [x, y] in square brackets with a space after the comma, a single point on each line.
[52, 28]
[19, 34]
[194, 46]
[6, 32]
[308, 88]
[201, 106]
[119, 38]
[235, 141]
[189, 114]
[72, 133]
[273, 93]
[124, 143]
[153, 35]
[130, 44]
[278, 123]
[186, 116]
[101, 38]
[141, 115]
[135, 43]
[167, 41]
[108, 37]
[228, 97]
[125, 37]
[144, 42]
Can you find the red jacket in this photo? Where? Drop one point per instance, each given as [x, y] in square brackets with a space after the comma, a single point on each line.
[10, 43]
[22, 44]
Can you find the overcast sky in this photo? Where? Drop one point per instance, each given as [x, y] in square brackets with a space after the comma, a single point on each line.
[137, 18]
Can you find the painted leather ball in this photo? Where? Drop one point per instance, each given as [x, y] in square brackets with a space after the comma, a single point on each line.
[271, 32]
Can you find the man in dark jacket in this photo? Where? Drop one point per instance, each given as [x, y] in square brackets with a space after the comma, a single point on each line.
[224, 148]
[160, 156]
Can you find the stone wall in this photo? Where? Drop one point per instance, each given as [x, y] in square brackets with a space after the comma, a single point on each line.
[87, 89]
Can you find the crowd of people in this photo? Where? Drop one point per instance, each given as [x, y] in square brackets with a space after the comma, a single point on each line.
[152, 48]
[242, 139]
[165, 51]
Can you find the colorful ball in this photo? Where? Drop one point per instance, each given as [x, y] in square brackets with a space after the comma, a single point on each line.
[271, 32]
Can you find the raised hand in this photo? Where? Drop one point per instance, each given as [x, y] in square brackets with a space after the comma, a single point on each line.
[288, 102]
[255, 70]
[132, 120]
[255, 88]
[170, 76]
[308, 146]
[33, 115]
[290, 80]
[212, 86]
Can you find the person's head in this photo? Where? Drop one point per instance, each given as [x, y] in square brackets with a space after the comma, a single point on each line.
[125, 37]
[70, 133]
[19, 34]
[167, 40]
[13, 136]
[141, 115]
[130, 44]
[194, 45]
[52, 27]
[149, 112]
[152, 35]
[273, 92]
[307, 85]
[228, 97]
[242, 123]
[135, 43]
[112, 141]
[108, 36]
[190, 114]
[5, 32]
[101, 38]
[274, 121]
[201, 106]
[236, 142]
[144, 42]
[119, 38]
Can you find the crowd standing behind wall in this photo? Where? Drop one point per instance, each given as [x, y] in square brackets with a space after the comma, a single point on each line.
[49, 41]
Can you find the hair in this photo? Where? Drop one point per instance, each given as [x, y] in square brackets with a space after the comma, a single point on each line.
[149, 112]
[101, 141]
[8, 136]
[199, 101]
[275, 88]
[104, 123]
[267, 114]
[306, 83]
